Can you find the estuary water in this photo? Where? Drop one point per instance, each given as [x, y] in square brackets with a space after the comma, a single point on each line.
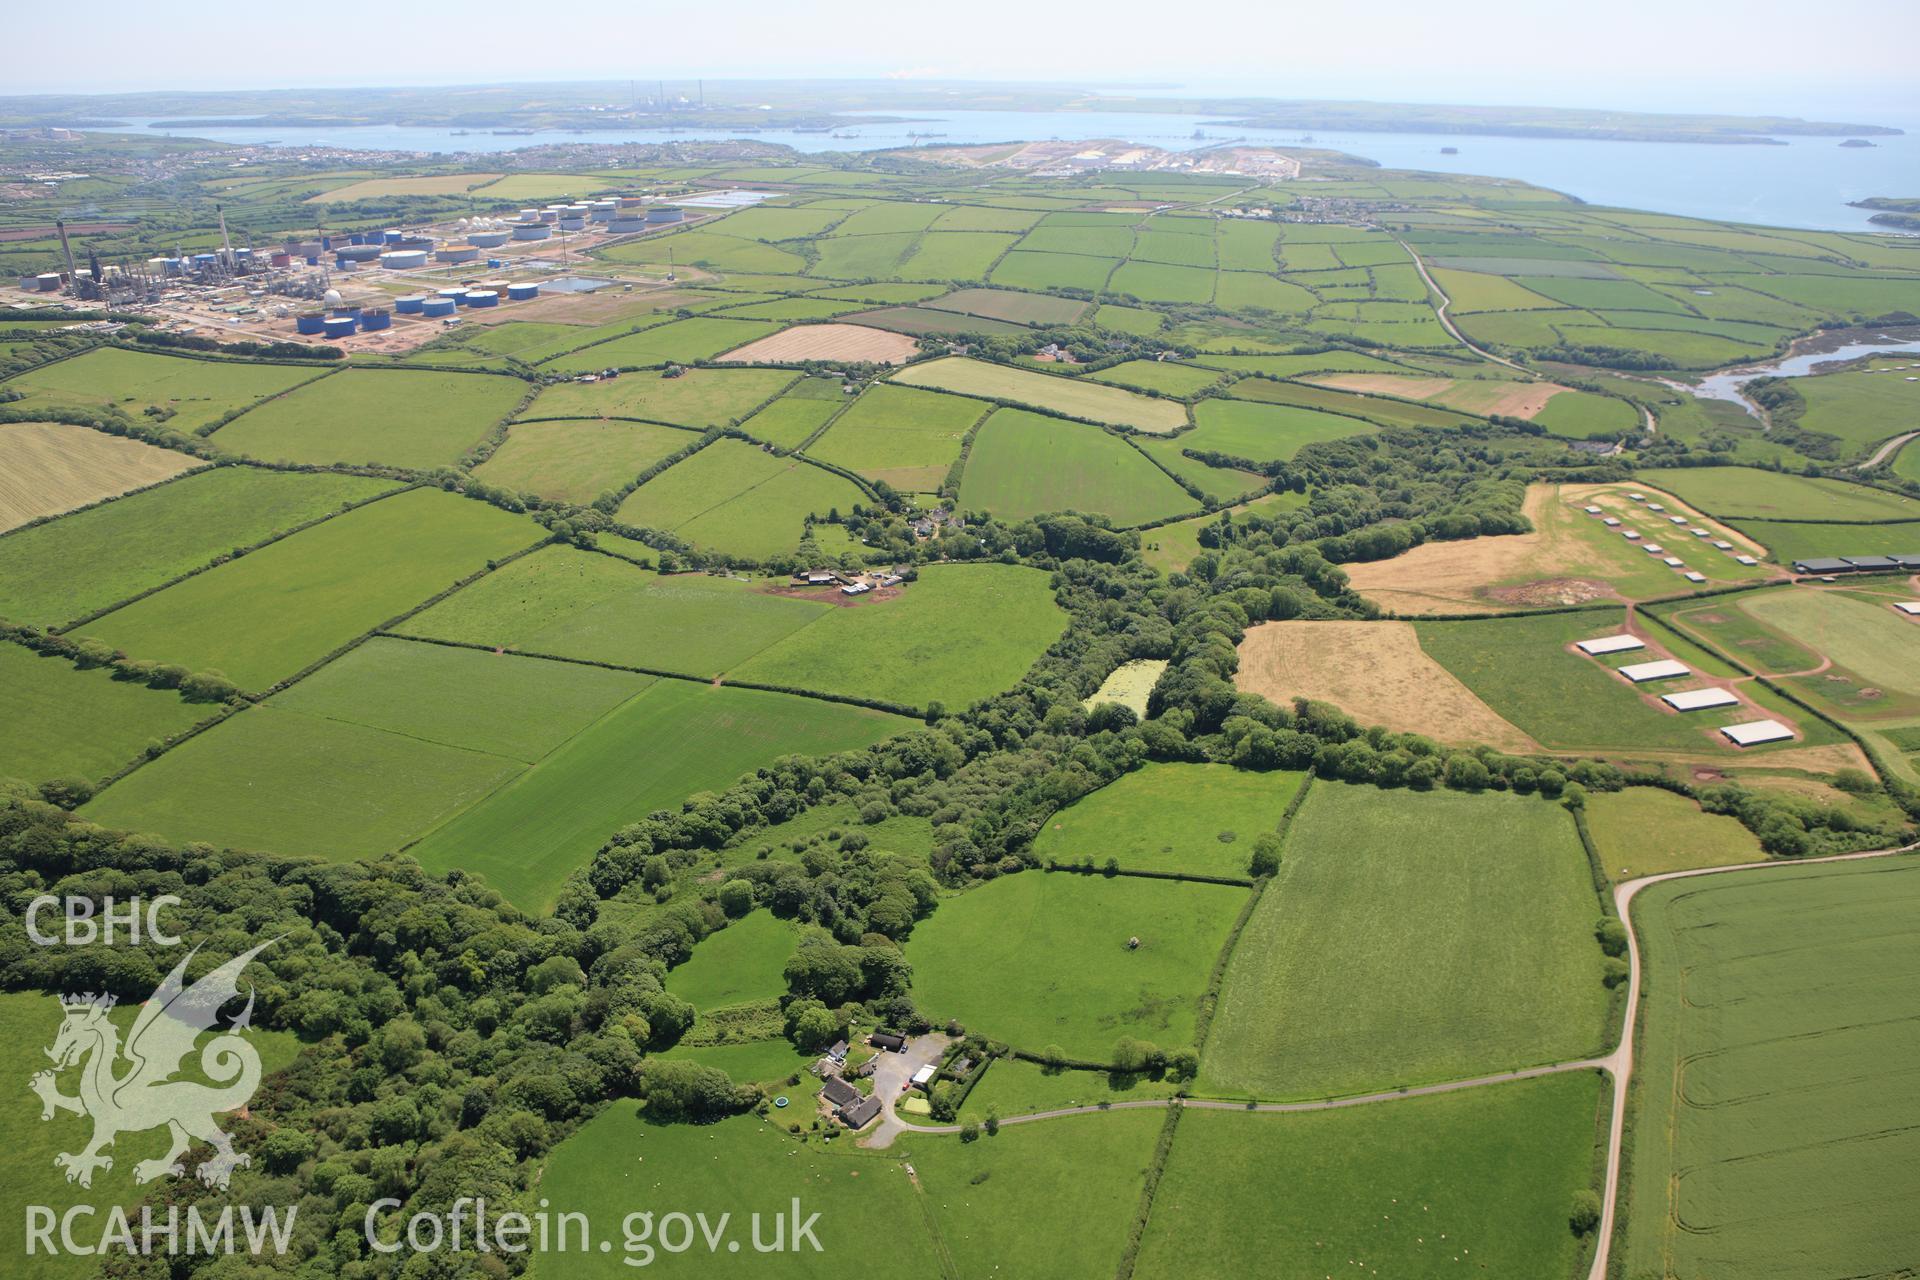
[1805, 183]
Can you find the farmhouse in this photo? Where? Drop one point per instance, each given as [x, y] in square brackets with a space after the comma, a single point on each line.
[838, 1053]
[860, 1114]
[838, 1093]
[1699, 699]
[1610, 644]
[1754, 732]
[888, 1041]
[1664, 669]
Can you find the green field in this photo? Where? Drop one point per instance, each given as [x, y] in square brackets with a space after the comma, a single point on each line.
[788, 421]
[1521, 667]
[618, 1164]
[1643, 831]
[1023, 464]
[1006, 304]
[1196, 818]
[577, 604]
[1158, 375]
[65, 723]
[313, 770]
[1378, 409]
[1790, 541]
[138, 542]
[1170, 548]
[697, 398]
[906, 437]
[676, 342]
[397, 417]
[1054, 1198]
[1014, 1086]
[29, 1022]
[1410, 938]
[740, 964]
[900, 833]
[261, 618]
[674, 738]
[1470, 1183]
[1747, 491]
[739, 500]
[578, 460]
[768, 1062]
[190, 393]
[958, 634]
[1861, 408]
[1775, 1126]
[1873, 650]
[1076, 398]
[1066, 935]
[1263, 432]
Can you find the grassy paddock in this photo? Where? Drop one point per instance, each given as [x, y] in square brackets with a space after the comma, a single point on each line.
[1409, 938]
[1195, 818]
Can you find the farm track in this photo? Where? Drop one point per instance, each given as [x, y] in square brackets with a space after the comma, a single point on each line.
[1618, 1063]
[1887, 450]
[1446, 321]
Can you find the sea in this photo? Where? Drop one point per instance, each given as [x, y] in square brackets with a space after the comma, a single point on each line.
[1805, 183]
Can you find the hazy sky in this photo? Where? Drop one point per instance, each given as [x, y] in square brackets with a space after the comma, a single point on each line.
[1851, 57]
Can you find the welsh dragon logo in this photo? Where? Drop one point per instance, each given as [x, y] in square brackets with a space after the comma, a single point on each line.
[129, 1088]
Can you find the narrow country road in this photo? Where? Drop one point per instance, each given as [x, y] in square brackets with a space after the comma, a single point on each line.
[1446, 321]
[1886, 451]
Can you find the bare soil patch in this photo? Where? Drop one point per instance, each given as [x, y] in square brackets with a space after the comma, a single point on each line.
[54, 467]
[1375, 672]
[1514, 399]
[831, 595]
[827, 342]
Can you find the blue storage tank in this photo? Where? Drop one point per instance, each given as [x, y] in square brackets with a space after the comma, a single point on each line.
[312, 322]
[437, 306]
[393, 237]
[340, 326]
[371, 320]
[493, 264]
[482, 298]
[521, 292]
[313, 259]
[455, 296]
[326, 243]
[410, 306]
[571, 223]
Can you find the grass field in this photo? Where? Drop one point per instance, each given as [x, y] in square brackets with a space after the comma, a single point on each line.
[1472, 1183]
[1158, 375]
[1197, 818]
[399, 417]
[738, 499]
[54, 467]
[618, 1164]
[1790, 541]
[1521, 668]
[740, 964]
[1023, 464]
[265, 616]
[577, 460]
[1747, 491]
[1774, 1119]
[65, 723]
[1861, 408]
[28, 1022]
[850, 342]
[958, 634]
[1410, 938]
[1130, 684]
[311, 771]
[576, 604]
[1378, 409]
[191, 393]
[767, 1062]
[676, 342]
[1172, 547]
[1064, 1192]
[788, 421]
[1076, 398]
[1872, 648]
[1007, 304]
[140, 541]
[697, 398]
[673, 739]
[1263, 432]
[1644, 831]
[1081, 987]
[906, 437]
[1014, 1086]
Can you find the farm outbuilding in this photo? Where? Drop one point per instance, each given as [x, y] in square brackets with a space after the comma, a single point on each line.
[1909, 607]
[1755, 732]
[1621, 643]
[1664, 669]
[1699, 699]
